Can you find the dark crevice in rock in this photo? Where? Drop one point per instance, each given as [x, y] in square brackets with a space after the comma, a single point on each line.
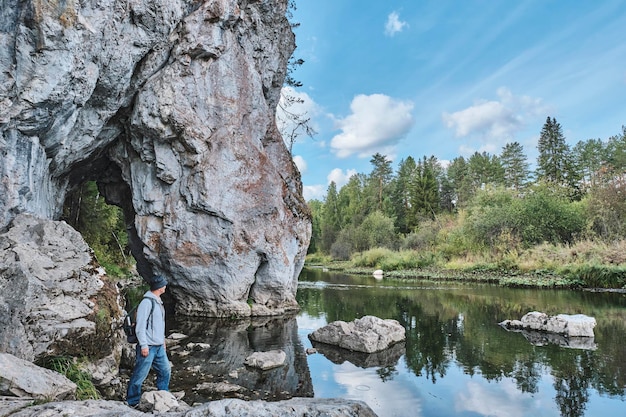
[259, 277]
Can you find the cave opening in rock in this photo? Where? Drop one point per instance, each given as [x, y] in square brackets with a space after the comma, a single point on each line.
[98, 204]
[101, 225]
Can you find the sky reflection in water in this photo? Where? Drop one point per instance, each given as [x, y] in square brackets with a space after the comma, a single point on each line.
[398, 391]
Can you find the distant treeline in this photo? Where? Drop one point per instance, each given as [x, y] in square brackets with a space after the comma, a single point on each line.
[481, 203]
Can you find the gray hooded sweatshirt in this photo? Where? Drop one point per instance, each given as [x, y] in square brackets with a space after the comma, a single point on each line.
[150, 330]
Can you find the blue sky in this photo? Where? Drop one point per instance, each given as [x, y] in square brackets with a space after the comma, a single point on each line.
[448, 78]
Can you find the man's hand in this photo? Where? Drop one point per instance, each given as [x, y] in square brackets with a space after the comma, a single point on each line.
[145, 351]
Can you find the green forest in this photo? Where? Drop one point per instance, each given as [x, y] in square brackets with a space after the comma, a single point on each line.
[562, 223]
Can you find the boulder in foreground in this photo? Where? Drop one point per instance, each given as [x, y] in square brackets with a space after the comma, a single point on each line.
[577, 325]
[20, 378]
[368, 334]
[296, 407]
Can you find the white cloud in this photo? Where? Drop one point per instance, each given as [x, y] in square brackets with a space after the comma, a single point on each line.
[490, 148]
[318, 192]
[339, 177]
[313, 192]
[498, 119]
[377, 124]
[301, 164]
[394, 24]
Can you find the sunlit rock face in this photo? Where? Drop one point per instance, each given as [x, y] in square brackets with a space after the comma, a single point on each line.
[169, 105]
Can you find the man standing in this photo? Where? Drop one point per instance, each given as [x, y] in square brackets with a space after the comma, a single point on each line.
[150, 349]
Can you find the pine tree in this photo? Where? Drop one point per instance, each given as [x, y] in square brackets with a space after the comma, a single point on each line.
[554, 154]
[425, 191]
[485, 169]
[353, 203]
[379, 179]
[459, 179]
[330, 218]
[589, 157]
[401, 196]
[516, 171]
[616, 150]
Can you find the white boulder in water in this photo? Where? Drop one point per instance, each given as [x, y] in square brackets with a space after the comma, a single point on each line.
[577, 325]
[368, 334]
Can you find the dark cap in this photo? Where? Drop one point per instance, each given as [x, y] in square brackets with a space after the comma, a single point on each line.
[157, 282]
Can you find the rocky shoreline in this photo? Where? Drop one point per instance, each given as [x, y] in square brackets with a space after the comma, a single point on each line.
[56, 301]
[297, 407]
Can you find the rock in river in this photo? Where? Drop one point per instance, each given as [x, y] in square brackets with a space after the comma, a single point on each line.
[577, 325]
[368, 334]
[266, 360]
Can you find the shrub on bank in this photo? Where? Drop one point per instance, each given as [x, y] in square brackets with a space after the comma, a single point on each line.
[318, 258]
[596, 276]
[542, 215]
[371, 258]
[388, 260]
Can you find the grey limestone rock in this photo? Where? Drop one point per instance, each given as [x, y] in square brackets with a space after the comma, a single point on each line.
[266, 360]
[87, 408]
[161, 402]
[50, 290]
[368, 334]
[296, 407]
[170, 106]
[20, 378]
[576, 325]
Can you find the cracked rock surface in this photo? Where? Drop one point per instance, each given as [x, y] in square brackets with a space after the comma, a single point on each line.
[170, 106]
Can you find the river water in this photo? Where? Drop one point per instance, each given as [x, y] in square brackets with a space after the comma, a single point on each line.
[457, 361]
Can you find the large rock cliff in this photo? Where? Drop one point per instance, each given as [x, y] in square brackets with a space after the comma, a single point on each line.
[169, 105]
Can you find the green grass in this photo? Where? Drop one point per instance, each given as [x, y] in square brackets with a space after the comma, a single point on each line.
[596, 276]
[585, 264]
[116, 270]
[69, 367]
[388, 260]
[318, 259]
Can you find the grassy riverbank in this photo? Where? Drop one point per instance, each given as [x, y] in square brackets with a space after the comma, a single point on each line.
[582, 265]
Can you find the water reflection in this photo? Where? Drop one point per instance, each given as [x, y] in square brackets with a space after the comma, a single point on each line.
[209, 363]
[456, 361]
[455, 345]
[387, 358]
[538, 338]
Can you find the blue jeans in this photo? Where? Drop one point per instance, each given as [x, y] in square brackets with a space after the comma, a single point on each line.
[157, 360]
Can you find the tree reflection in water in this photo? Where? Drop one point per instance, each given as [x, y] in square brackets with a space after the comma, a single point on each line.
[209, 363]
[456, 324]
[456, 358]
